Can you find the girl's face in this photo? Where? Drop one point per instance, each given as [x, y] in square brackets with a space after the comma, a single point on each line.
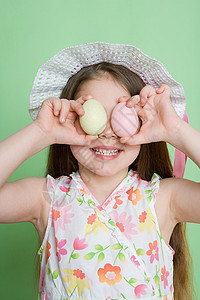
[107, 91]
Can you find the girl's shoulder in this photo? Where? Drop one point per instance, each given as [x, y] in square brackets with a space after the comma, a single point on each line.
[163, 189]
[183, 197]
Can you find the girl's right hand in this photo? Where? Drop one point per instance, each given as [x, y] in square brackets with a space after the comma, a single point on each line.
[57, 117]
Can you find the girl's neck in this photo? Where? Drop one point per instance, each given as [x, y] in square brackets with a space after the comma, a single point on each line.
[101, 186]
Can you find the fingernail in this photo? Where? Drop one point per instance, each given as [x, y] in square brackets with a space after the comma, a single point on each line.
[87, 96]
[123, 97]
[143, 99]
[94, 136]
[62, 119]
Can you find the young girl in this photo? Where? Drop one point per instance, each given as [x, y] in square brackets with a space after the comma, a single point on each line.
[109, 213]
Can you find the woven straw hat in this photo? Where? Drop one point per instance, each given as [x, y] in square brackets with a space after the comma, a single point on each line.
[54, 74]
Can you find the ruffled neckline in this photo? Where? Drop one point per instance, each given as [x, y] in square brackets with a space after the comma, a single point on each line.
[84, 190]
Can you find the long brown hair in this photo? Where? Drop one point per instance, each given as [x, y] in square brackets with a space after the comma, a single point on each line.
[153, 157]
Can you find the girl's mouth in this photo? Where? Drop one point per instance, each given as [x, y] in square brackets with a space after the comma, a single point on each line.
[106, 154]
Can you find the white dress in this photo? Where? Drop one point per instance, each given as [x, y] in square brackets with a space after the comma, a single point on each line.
[114, 251]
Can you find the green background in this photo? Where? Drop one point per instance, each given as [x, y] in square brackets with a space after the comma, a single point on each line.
[31, 33]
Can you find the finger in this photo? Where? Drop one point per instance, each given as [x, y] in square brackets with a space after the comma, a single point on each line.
[133, 101]
[55, 104]
[91, 138]
[137, 139]
[164, 88]
[83, 139]
[72, 116]
[77, 107]
[146, 93]
[137, 108]
[142, 115]
[83, 98]
[70, 108]
[123, 98]
[64, 110]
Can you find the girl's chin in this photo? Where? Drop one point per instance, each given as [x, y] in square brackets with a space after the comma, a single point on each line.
[99, 170]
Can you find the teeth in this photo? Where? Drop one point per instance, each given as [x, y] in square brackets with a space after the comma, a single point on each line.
[106, 152]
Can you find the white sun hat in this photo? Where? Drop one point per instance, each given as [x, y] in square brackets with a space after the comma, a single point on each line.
[52, 77]
[54, 74]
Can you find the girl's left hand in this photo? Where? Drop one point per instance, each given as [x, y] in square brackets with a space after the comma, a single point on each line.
[158, 116]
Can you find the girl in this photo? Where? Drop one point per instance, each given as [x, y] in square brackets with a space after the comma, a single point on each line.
[109, 213]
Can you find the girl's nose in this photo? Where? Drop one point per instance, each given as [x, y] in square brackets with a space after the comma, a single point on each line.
[108, 132]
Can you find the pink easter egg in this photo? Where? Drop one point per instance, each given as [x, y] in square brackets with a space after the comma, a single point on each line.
[124, 120]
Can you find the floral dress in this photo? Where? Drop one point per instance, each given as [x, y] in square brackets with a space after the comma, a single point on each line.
[103, 252]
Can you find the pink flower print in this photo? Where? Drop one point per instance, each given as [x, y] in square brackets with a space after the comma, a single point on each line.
[140, 290]
[100, 207]
[41, 284]
[79, 244]
[145, 183]
[164, 276]
[153, 252]
[136, 178]
[64, 189]
[60, 216]
[134, 260]
[124, 224]
[171, 288]
[60, 251]
[106, 202]
[135, 174]
[69, 180]
[45, 296]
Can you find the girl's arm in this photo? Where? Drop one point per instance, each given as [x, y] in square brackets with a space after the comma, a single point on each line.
[24, 200]
[19, 147]
[20, 200]
[187, 139]
[160, 122]
[185, 194]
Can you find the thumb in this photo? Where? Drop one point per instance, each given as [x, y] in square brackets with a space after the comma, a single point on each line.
[86, 139]
[136, 139]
